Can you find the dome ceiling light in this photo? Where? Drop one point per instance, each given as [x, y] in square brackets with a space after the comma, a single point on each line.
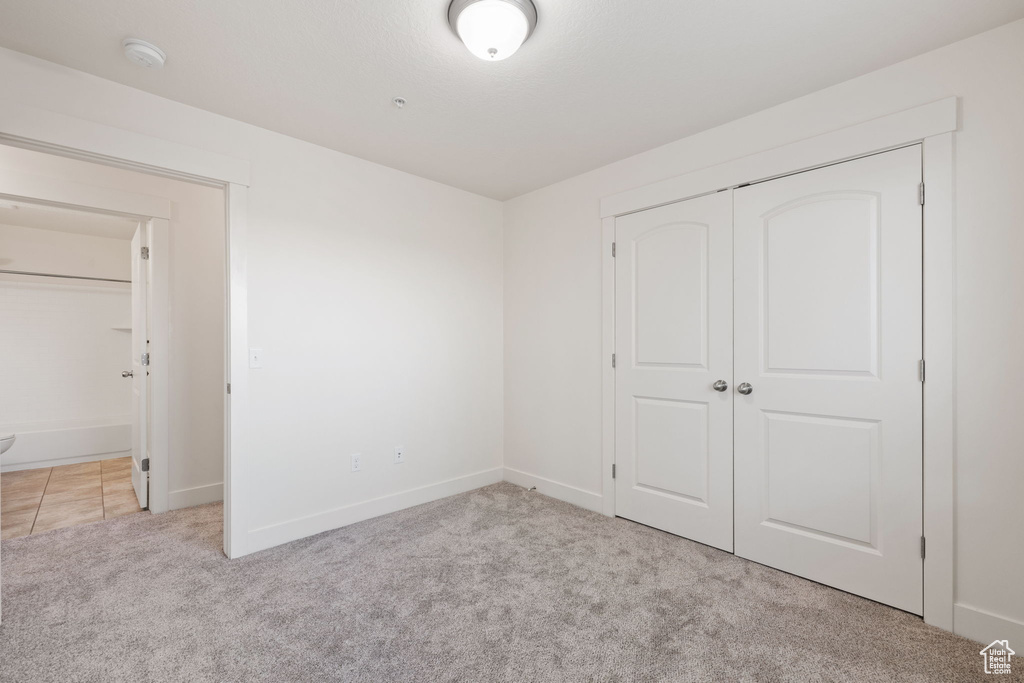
[492, 29]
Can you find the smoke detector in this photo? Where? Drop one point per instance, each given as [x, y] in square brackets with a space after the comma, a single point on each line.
[144, 54]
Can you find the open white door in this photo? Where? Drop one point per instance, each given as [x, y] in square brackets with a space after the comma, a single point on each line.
[673, 343]
[140, 359]
[828, 351]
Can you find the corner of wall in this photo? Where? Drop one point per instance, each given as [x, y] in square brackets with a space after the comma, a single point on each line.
[569, 494]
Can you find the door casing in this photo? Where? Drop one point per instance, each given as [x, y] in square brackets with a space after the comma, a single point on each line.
[139, 370]
[154, 212]
[77, 138]
[931, 125]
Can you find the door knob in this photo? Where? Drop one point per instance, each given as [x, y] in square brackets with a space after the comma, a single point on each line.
[127, 373]
[720, 385]
[745, 388]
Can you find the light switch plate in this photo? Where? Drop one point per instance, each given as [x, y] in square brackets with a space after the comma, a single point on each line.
[255, 358]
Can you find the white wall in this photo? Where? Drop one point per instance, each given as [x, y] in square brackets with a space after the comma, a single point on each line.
[378, 299]
[376, 296]
[196, 414]
[51, 251]
[553, 298]
[62, 390]
[62, 359]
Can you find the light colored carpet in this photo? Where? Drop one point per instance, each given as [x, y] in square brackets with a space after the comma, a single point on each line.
[498, 584]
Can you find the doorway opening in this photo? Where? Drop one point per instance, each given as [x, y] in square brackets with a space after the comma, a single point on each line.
[112, 290]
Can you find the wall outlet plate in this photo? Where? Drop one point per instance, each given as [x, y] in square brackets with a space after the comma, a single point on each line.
[399, 455]
[255, 358]
[357, 462]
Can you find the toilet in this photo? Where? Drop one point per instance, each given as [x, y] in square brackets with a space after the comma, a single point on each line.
[6, 441]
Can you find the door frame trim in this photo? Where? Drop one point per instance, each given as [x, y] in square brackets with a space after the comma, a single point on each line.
[932, 125]
[77, 138]
[158, 295]
[154, 212]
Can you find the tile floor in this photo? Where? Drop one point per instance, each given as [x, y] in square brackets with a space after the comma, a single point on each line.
[33, 501]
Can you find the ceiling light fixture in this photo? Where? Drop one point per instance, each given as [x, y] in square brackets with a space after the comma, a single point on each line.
[143, 53]
[492, 29]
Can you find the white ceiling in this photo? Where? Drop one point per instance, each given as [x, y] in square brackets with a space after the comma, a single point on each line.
[59, 219]
[598, 81]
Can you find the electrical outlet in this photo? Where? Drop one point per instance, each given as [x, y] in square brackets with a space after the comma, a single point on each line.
[399, 455]
[357, 462]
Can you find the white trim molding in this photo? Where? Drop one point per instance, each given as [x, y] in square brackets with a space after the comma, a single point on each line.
[931, 125]
[158, 303]
[34, 128]
[276, 534]
[197, 495]
[236, 371]
[57, 191]
[607, 371]
[57, 462]
[887, 132]
[939, 320]
[547, 487]
[984, 627]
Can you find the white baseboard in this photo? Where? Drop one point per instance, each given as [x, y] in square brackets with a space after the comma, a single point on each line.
[66, 443]
[276, 534]
[57, 462]
[198, 495]
[570, 494]
[984, 627]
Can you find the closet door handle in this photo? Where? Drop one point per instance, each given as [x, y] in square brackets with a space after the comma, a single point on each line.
[720, 385]
[745, 389]
[127, 373]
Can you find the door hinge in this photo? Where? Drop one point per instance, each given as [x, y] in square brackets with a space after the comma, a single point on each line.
[613, 470]
[613, 360]
[921, 368]
[229, 387]
[922, 547]
[613, 249]
[145, 359]
[920, 194]
[145, 465]
[145, 253]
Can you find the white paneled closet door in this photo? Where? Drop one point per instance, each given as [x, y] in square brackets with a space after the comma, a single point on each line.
[673, 342]
[828, 445]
